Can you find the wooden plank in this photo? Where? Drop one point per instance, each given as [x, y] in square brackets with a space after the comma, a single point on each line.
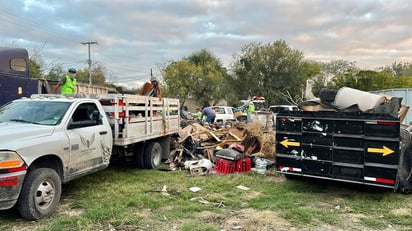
[214, 136]
[235, 136]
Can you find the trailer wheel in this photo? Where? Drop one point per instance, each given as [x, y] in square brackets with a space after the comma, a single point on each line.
[153, 155]
[403, 181]
[40, 194]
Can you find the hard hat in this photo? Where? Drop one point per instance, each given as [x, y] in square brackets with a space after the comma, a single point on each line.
[72, 70]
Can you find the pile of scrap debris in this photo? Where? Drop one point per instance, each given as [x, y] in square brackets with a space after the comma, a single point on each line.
[352, 100]
[205, 142]
[204, 147]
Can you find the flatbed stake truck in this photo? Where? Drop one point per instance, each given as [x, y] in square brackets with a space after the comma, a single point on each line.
[47, 140]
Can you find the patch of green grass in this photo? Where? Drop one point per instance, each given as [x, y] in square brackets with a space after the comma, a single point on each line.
[194, 226]
[374, 223]
[132, 199]
[404, 220]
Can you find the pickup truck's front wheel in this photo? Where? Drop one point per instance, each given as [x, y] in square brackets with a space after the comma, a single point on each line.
[40, 194]
[153, 155]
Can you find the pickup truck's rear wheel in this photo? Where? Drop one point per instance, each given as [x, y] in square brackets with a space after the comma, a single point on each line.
[40, 194]
[153, 155]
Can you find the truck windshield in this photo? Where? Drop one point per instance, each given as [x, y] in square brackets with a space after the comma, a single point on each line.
[35, 112]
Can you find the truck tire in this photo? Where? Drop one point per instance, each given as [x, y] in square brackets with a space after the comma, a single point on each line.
[153, 155]
[138, 156]
[40, 194]
[403, 181]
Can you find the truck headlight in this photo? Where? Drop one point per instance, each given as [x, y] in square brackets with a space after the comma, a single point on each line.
[10, 159]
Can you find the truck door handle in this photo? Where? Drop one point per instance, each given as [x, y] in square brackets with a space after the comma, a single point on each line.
[103, 132]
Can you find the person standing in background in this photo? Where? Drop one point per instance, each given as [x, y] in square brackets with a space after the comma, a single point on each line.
[197, 114]
[67, 83]
[249, 112]
[155, 91]
[210, 114]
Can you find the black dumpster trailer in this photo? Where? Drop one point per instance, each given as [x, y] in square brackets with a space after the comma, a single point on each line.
[356, 147]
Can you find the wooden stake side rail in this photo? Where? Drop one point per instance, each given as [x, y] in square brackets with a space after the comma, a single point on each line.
[136, 118]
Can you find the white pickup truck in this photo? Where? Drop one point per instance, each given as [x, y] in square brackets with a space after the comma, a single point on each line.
[47, 140]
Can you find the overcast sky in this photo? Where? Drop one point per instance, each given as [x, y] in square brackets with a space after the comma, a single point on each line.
[135, 36]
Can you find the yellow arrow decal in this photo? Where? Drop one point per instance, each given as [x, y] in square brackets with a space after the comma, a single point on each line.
[288, 143]
[384, 150]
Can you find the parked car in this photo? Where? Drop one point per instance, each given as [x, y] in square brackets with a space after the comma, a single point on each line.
[224, 114]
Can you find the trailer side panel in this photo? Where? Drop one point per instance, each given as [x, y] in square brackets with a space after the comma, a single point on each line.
[352, 147]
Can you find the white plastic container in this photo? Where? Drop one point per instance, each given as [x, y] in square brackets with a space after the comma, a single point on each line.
[260, 166]
[347, 96]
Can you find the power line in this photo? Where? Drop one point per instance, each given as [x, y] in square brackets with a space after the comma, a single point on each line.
[20, 21]
[10, 17]
[17, 20]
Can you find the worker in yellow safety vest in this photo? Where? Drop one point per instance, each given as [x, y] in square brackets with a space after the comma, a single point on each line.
[67, 83]
[249, 111]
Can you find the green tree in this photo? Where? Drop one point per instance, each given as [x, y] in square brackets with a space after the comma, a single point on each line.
[35, 68]
[199, 76]
[228, 92]
[367, 80]
[402, 82]
[408, 69]
[274, 71]
[313, 76]
[208, 77]
[338, 73]
[56, 73]
[97, 75]
[402, 73]
[382, 80]
[397, 69]
[178, 78]
[36, 64]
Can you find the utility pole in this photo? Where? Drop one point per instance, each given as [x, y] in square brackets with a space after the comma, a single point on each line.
[89, 61]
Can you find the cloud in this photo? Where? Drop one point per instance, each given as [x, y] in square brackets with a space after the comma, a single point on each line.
[135, 37]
